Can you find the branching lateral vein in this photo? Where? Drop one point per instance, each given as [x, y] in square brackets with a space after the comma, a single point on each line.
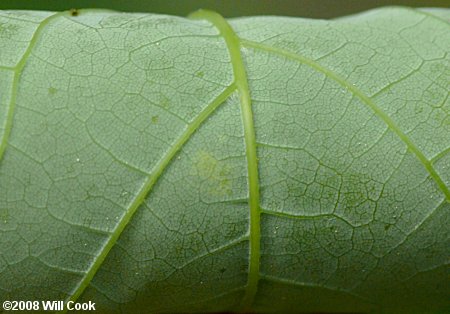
[146, 188]
[18, 69]
[427, 164]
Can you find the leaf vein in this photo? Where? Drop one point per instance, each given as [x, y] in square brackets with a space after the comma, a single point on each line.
[430, 15]
[147, 186]
[18, 68]
[364, 98]
[306, 284]
[240, 79]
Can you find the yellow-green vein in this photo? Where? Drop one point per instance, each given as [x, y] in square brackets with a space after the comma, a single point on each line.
[240, 77]
[428, 165]
[18, 68]
[145, 190]
[291, 282]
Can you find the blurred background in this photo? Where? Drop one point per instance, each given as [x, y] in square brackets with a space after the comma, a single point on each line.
[228, 8]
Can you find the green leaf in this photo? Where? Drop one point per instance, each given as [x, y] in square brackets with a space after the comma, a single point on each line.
[152, 163]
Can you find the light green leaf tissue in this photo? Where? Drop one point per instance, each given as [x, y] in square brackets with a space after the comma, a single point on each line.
[158, 164]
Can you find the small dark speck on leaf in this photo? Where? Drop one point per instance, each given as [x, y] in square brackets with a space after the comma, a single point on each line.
[74, 12]
[155, 119]
[222, 270]
[387, 226]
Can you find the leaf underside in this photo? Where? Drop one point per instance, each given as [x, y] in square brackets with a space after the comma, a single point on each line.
[157, 164]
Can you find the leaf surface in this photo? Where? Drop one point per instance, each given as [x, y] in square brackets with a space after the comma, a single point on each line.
[152, 163]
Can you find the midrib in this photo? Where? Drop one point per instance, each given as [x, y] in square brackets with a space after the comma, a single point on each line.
[241, 85]
[240, 75]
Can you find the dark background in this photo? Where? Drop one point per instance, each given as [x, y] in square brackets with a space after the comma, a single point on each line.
[228, 8]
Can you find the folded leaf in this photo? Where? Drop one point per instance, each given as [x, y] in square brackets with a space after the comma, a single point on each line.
[157, 164]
